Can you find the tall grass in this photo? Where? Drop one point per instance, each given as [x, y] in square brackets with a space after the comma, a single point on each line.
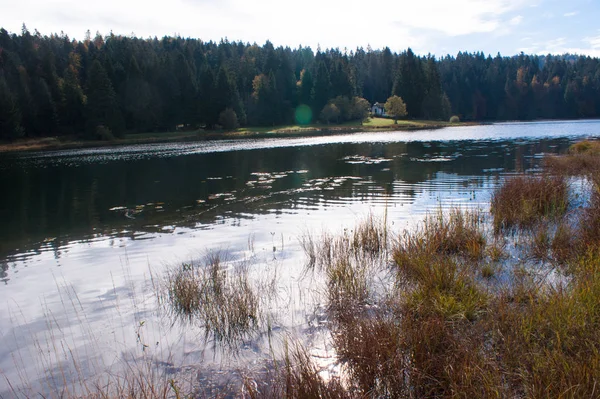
[523, 201]
[583, 159]
[454, 234]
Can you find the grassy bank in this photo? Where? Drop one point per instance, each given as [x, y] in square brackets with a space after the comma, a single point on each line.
[372, 124]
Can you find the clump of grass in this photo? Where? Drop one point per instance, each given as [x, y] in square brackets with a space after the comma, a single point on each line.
[185, 290]
[589, 226]
[296, 376]
[564, 245]
[368, 241]
[583, 159]
[347, 285]
[221, 299]
[445, 288]
[370, 236]
[444, 313]
[371, 348]
[591, 147]
[458, 233]
[524, 200]
[540, 243]
[488, 270]
[550, 341]
[496, 250]
[349, 262]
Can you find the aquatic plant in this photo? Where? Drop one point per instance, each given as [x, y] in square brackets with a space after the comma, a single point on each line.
[219, 297]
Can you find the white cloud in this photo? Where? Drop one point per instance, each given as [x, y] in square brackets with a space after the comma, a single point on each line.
[350, 23]
[594, 42]
[559, 46]
[571, 14]
[516, 20]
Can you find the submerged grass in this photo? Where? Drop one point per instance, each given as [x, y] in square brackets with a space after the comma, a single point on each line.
[219, 297]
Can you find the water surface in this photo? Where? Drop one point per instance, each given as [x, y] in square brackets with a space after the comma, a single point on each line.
[84, 232]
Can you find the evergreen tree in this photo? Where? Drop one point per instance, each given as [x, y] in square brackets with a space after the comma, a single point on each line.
[101, 107]
[72, 100]
[10, 117]
[409, 83]
[322, 87]
[306, 89]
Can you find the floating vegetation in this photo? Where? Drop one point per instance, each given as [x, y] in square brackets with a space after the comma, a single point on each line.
[362, 159]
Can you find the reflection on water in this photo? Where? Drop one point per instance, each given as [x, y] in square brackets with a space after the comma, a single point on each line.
[52, 202]
[84, 229]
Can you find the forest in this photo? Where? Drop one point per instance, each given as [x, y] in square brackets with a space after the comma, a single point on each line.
[105, 86]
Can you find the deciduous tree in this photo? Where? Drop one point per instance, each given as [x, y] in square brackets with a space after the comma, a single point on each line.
[395, 107]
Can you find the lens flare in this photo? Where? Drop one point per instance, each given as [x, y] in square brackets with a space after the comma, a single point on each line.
[303, 115]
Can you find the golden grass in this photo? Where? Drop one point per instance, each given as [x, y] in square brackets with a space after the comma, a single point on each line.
[523, 201]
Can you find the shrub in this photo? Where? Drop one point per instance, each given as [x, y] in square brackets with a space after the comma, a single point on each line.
[454, 119]
[228, 119]
[104, 133]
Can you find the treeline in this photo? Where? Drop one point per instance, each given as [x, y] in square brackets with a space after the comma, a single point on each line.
[105, 86]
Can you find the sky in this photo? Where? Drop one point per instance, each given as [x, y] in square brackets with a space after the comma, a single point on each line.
[439, 27]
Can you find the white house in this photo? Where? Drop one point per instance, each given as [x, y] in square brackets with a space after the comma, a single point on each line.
[378, 110]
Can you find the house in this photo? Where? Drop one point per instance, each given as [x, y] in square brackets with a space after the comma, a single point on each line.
[378, 110]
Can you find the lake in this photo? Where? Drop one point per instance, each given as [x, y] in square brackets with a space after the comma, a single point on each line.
[87, 235]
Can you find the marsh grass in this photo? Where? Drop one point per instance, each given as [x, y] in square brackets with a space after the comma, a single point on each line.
[583, 158]
[524, 201]
[295, 374]
[457, 233]
[441, 325]
[445, 330]
[218, 296]
[548, 336]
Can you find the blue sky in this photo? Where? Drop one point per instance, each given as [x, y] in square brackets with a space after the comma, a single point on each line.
[439, 27]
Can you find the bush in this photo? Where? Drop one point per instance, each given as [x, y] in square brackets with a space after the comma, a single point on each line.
[228, 119]
[104, 133]
[454, 119]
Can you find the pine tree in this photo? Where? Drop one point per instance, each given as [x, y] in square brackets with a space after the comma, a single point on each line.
[409, 83]
[101, 109]
[72, 100]
[10, 117]
[322, 87]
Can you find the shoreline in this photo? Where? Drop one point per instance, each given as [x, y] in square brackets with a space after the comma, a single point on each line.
[65, 143]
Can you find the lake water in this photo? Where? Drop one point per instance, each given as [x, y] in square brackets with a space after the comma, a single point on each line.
[86, 234]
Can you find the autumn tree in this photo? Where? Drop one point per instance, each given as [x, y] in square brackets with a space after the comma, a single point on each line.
[395, 107]
[330, 112]
[360, 109]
